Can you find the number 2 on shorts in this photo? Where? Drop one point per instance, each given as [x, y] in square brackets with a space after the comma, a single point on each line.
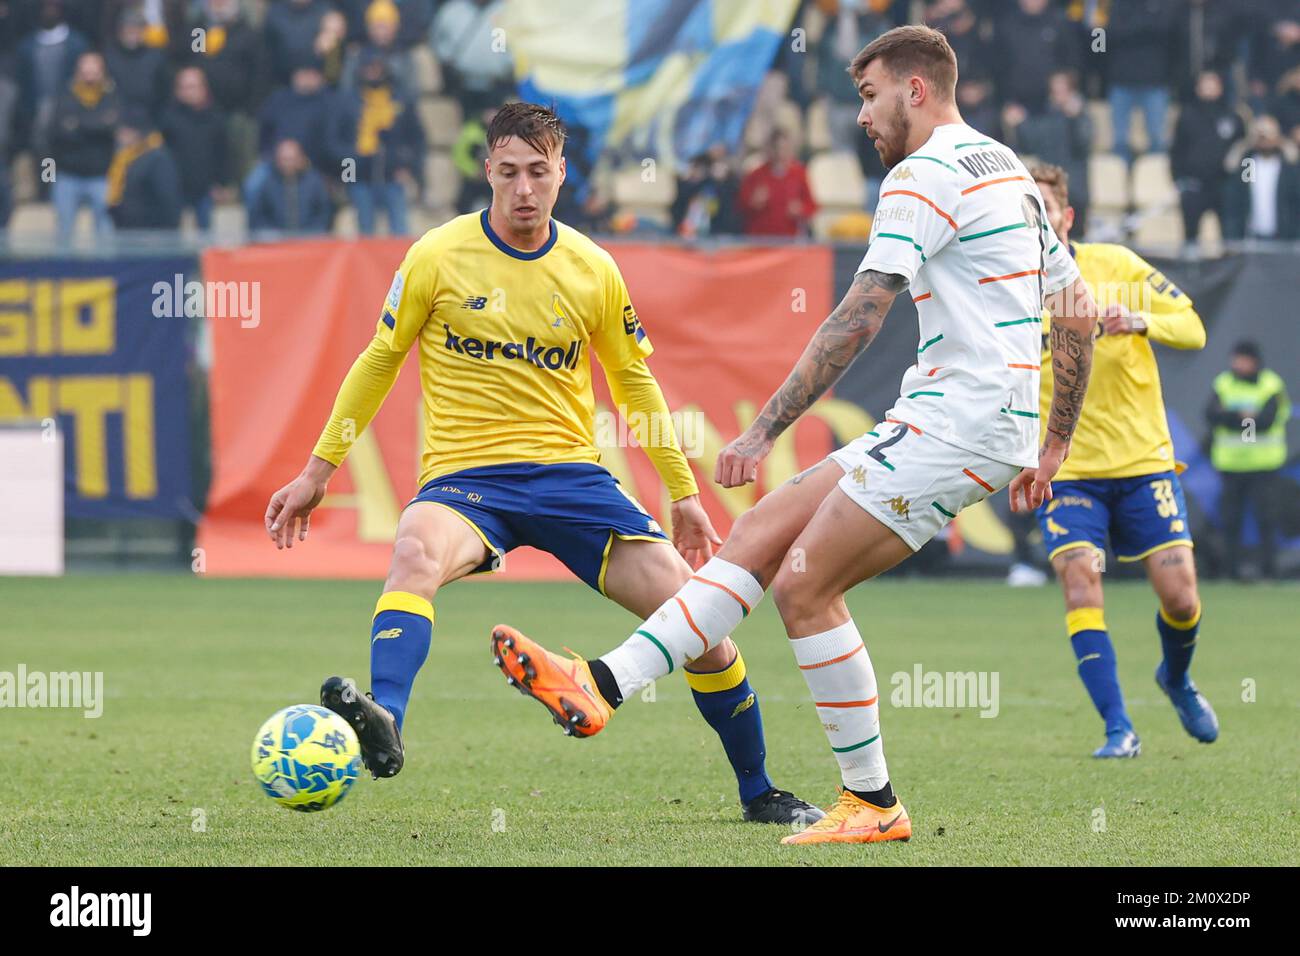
[876, 451]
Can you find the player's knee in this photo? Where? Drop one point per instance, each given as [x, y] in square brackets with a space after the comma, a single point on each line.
[748, 546]
[793, 596]
[415, 567]
[717, 658]
[1182, 605]
[1080, 580]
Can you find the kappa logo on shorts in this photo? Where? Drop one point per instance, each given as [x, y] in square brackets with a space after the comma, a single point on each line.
[859, 474]
[900, 505]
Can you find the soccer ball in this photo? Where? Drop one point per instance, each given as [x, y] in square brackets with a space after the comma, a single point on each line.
[306, 757]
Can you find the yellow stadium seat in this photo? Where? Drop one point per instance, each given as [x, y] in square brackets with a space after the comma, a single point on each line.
[441, 179]
[427, 72]
[819, 126]
[345, 223]
[1211, 231]
[837, 182]
[229, 219]
[1153, 185]
[1108, 181]
[33, 219]
[1163, 230]
[441, 118]
[789, 117]
[651, 189]
[1103, 132]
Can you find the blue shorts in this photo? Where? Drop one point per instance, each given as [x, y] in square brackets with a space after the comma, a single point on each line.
[573, 511]
[1141, 515]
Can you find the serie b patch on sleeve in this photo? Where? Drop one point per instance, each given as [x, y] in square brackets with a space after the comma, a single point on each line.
[394, 298]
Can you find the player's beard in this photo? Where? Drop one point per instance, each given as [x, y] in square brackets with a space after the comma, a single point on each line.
[894, 142]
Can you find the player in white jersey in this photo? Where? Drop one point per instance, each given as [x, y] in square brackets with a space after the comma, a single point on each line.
[962, 226]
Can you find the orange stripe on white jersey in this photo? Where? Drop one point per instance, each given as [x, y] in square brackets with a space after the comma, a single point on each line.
[907, 192]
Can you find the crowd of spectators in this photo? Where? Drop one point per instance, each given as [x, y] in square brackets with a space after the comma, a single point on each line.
[143, 109]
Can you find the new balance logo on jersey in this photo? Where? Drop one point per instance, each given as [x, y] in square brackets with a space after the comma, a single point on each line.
[475, 302]
[554, 358]
[900, 505]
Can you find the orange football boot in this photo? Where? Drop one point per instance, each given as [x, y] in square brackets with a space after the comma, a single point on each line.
[562, 685]
[853, 820]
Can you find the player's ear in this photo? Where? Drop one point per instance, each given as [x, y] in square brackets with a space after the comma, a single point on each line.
[564, 168]
[1067, 218]
[487, 168]
[916, 93]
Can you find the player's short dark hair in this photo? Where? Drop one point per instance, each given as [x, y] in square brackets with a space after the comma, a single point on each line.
[536, 125]
[1054, 178]
[912, 51]
[1248, 349]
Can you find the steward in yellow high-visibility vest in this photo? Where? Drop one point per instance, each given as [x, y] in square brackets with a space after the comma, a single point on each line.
[1248, 414]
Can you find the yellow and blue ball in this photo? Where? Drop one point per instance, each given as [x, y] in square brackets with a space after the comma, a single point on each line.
[306, 757]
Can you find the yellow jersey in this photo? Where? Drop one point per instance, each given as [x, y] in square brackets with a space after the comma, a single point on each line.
[504, 340]
[1122, 431]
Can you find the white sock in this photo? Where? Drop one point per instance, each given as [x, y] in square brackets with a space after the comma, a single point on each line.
[840, 677]
[694, 620]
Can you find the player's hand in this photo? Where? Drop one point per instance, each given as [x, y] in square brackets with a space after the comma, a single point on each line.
[738, 462]
[289, 512]
[1117, 320]
[693, 534]
[1033, 486]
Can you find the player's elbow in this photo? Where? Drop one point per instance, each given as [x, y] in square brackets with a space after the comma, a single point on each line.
[1073, 308]
[1195, 338]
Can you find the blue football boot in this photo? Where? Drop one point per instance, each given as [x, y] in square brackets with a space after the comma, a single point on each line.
[1191, 706]
[1120, 743]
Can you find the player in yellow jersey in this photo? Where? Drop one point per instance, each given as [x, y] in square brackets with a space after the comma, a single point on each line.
[1121, 480]
[506, 307]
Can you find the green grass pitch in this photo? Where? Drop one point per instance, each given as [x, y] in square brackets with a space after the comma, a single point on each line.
[191, 668]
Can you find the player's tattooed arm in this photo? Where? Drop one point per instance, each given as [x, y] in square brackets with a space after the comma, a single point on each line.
[847, 331]
[1074, 317]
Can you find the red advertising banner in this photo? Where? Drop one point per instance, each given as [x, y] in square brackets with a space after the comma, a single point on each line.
[726, 325]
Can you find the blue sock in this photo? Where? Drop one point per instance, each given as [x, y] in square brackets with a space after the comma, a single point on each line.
[730, 705]
[1178, 639]
[399, 643]
[1097, 665]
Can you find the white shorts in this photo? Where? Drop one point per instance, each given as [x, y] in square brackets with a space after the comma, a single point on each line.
[915, 483]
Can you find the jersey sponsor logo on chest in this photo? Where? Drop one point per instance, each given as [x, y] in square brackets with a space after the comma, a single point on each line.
[531, 351]
[895, 213]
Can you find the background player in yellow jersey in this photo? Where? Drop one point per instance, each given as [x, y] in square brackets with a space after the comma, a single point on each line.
[506, 306]
[1121, 480]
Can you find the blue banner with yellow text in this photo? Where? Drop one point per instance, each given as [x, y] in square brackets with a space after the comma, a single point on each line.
[96, 350]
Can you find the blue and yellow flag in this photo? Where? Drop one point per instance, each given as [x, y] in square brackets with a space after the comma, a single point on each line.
[650, 78]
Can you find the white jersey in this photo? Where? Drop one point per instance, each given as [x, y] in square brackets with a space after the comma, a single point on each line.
[964, 222]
